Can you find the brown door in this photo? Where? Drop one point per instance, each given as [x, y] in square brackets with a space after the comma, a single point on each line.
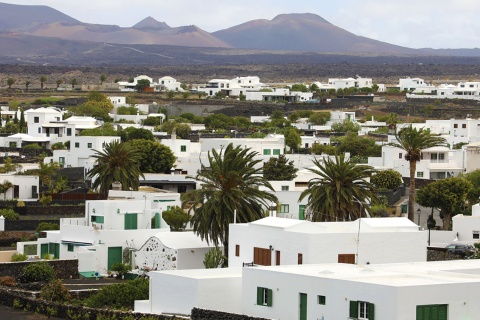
[277, 258]
[346, 258]
[262, 256]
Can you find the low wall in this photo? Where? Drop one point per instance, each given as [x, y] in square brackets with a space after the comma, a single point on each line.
[64, 269]
[201, 314]
[20, 300]
[26, 225]
[6, 256]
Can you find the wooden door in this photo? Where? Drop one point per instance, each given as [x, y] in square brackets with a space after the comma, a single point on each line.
[346, 258]
[262, 256]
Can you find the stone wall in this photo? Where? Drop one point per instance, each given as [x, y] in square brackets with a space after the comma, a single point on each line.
[64, 269]
[201, 314]
[25, 225]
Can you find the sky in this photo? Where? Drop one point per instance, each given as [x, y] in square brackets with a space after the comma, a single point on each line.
[411, 23]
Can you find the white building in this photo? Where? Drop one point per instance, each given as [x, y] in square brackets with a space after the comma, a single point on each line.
[25, 188]
[111, 231]
[168, 84]
[277, 241]
[337, 83]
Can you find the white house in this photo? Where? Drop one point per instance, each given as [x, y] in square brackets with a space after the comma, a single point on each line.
[111, 231]
[278, 241]
[169, 84]
[25, 188]
[39, 121]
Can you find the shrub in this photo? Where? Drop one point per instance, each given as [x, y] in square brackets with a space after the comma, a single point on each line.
[32, 146]
[45, 200]
[17, 257]
[387, 179]
[9, 214]
[35, 272]
[214, 258]
[55, 291]
[7, 281]
[20, 204]
[120, 296]
[58, 146]
[121, 269]
[176, 218]
[43, 226]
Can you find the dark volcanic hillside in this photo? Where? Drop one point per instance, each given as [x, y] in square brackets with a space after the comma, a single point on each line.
[19, 18]
[302, 32]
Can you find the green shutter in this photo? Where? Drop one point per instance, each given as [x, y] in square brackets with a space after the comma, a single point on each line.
[157, 221]
[267, 152]
[131, 221]
[70, 247]
[56, 251]
[43, 249]
[303, 306]
[419, 313]
[371, 311]
[301, 212]
[100, 219]
[276, 152]
[269, 297]
[442, 312]
[259, 296]
[353, 309]
[114, 256]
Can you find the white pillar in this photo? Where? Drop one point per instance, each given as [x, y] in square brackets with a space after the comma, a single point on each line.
[2, 223]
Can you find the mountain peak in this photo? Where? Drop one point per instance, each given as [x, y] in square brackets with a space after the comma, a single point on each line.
[150, 23]
[298, 16]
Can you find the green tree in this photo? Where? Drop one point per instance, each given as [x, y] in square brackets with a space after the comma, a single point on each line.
[142, 85]
[103, 78]
[277, 169]
[448, 195]
[230, 184]
[43, 79]
[27, 84]
[170, 94]
[4, 187]
[117, 162]
[357, 145]
[387, 179]
[74, 83]
[346, 126]
[413, 141]
[119, 296]
[176, 218]
[154, 157]
[214, 258]
[58, 82]
[319, 118]
[292, 138]
[474, 194]
[300, 87]
[46, 172]
[10, 83]
[182, 130]
[132, 133]
[340, 192]
[106, 130]
[22, 125]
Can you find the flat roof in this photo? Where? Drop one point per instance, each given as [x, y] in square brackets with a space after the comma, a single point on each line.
[204, 273]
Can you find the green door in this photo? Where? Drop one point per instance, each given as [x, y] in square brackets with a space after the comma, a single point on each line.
[131, 221]
[54, 249]
[303, 306]
[432, 312]
[114, 256]
[43, 249]
[301, 212]
[157, 221]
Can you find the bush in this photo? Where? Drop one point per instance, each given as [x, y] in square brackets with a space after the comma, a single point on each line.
[17, 257]
[32, 146]
[387, 179]
[214, 258]
[55, 291]
[58, 146]
[35, 272]
[45, 200]
[43, 226]
[9, 214]
[120, 296]
[7, 281]
[176, 218]
[121, 269]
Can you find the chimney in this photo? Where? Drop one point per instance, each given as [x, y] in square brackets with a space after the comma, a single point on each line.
[116, 185]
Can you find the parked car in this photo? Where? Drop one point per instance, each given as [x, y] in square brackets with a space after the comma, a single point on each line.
[461, 249]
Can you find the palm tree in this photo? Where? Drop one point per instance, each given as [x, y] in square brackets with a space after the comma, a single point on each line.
[229, 185]
[4, 187]
[10, 82]
[341, 190]
[413, 141]
[117, 162]
[103, 78]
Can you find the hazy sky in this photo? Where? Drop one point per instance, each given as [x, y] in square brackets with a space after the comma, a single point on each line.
[411, 23]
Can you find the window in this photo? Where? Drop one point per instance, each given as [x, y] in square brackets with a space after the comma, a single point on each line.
[476, 235]
[321, 300]
[434, 311]
[276, 152]
[400, 155]
[300, 258]
[464, 125]
[70, 247]
[267, 152]
[77, 144]
[264, 297]
[455, 125]
[362, 310]
[36, 119]
[262, 256]
[284, 208]
[183, 148]
[237, 250]
[419, 174]
[284, 188]
[98, 219]
[89, 145]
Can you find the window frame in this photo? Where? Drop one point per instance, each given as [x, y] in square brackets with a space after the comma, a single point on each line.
[284, 208]
[321, 300]
[264, 297]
